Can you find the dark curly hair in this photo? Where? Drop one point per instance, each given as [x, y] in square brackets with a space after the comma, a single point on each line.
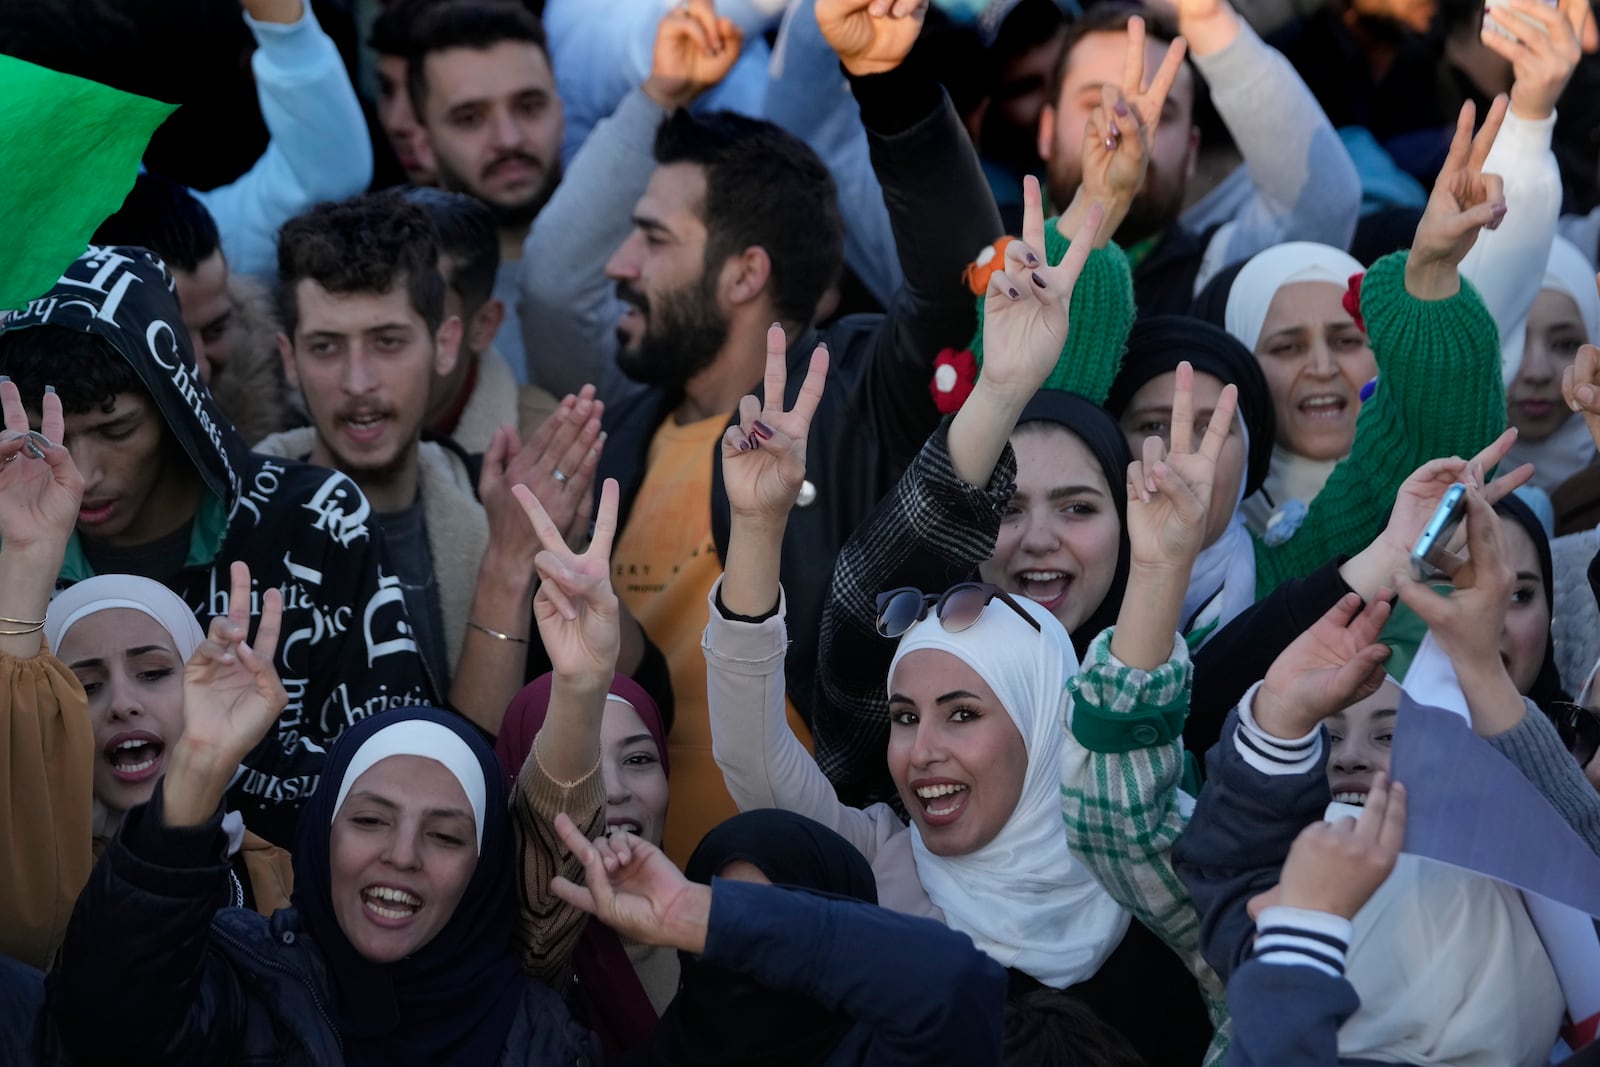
[87, 372]
[764, 188]
[368, 244]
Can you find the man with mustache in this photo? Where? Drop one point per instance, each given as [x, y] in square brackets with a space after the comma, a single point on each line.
[1300, 186]
[366, 330]
[485, 97]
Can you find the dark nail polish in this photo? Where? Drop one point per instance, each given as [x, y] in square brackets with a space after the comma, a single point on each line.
[1039, 281]
[1031, 260]
[34, 450]
[761, 429]
[1122, 108]
[744, 446]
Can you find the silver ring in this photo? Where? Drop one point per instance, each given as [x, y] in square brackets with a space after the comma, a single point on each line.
[562, 478]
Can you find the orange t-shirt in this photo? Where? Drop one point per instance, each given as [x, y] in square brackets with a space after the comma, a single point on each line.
[663, 567]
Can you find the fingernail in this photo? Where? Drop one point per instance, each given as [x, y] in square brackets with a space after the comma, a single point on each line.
[1121, 108]
[601, 439]
[823, 345]
[34, 450]
[761, 429]
[49, 388]
[1031, 260]
[1039, 281]
[5, 377]
[1013, 294]
[1111, 144]
[776, 326]
[1115, 132]
[744, 446]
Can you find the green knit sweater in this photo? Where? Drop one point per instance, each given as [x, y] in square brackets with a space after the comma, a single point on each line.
[1101, 316]
[1439, 394]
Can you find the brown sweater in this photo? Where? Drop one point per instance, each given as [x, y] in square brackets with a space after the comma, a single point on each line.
[548, 927]
[47, 841]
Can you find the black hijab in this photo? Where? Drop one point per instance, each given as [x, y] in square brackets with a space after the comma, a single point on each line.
[1158, 343]
[452, 1002]
[1546, 689]
[1101, 435]
[721, 1019]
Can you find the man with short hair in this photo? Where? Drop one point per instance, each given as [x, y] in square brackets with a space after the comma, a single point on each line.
[479, 394]
[172, 493]
[738, 227]
[229, 317]
[485, 96]
[1302, 184]
[365, 336]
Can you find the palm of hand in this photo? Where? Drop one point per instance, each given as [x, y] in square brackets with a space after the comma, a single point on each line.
[36, 507]
[226, 708]
[592, 637]
[1453, 195]
[1022, 339]
[1156, 530]
[644, 892]
[766, 479]
[1304, 673]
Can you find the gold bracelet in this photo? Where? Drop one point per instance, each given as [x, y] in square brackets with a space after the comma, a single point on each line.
[32, 629]
[496, 633]
[22, 622]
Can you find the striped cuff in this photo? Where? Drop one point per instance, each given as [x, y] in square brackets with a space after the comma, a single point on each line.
[1274, 755]
[1295, 937]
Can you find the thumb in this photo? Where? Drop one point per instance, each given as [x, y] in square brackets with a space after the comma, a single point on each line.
[1418, 596]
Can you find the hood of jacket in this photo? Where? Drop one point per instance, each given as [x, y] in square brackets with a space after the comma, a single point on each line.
[125, 296]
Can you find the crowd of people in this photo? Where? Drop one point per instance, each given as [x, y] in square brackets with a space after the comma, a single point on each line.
[1048, 479]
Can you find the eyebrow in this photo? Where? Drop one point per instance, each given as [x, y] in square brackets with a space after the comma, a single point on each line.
[385, 802]
[1527, 576]
[100, 661]
[635, 739]
[955, 694]
[1063, 491]
[651, 225]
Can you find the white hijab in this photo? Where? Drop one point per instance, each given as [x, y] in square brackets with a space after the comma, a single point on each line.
[104, 592]
[1023, 898]
[1290, 477]
[1250, 296]
[1222, 583]
[1570, 449]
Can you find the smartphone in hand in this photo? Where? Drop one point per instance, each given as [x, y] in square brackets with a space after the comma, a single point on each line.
[1501, 11]
[1431, 546]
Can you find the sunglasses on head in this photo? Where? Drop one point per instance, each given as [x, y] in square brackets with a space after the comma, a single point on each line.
[1578, 728]
[956, 608]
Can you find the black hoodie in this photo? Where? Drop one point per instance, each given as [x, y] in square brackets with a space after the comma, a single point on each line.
[345, 652]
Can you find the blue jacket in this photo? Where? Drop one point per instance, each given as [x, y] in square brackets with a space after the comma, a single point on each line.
[155, 971]
[920, 993]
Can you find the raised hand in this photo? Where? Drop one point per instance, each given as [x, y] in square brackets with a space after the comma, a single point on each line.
[1419, 495]
[1464, 200]
[764, 456]
[694, 51]
[1169, 492]
[1335, 867]
[871, 36]
[1580, 387]
[1467, 620]
[1147, 96]
[1027, 310]
[40, 487]
[633, 888]
[1335, 663]
[1542, 43]
[1116, 152]
[575, 607]
[231, 698]
[558, 464]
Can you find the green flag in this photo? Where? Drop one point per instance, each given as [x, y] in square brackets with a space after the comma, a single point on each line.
[69, 152]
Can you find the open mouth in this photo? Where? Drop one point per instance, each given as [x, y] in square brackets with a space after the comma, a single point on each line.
[942, 802]
[1351, 796]
[623, 826]
[1324, 408]
[135, 757]
[366, 426]
[93, 512]
[1044, 587]
[389, 904]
